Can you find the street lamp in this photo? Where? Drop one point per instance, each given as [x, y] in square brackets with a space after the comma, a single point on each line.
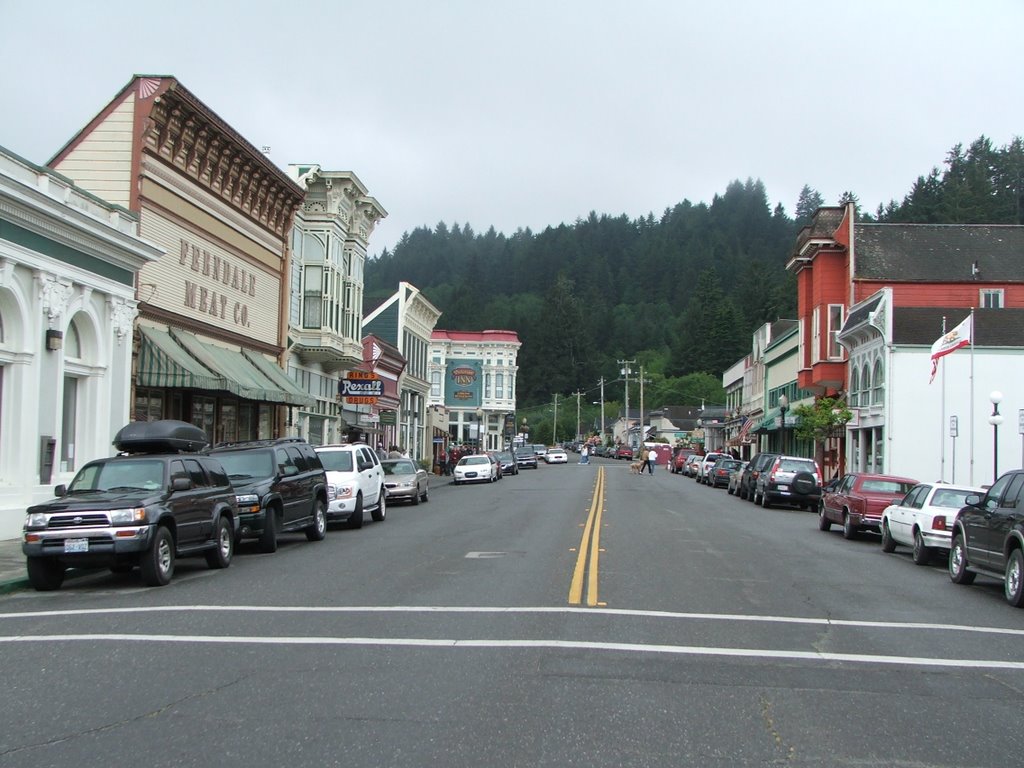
[995, 397]
[783, 407]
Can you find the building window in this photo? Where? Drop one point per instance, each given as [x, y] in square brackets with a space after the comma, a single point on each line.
[499, 385]
[854, 387]
[435, 384]
[878, 383]
[69, 422]
[991, 298]
[815, 335]
[312, 298]
[835, 324]
[487, 386]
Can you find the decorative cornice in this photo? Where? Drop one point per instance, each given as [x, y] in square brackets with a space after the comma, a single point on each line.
[183, 134]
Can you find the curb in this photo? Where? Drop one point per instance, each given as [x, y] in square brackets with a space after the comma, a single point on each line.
[13, 585]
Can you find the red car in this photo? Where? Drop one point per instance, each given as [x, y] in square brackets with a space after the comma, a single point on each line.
[624, 452]
[858, 501]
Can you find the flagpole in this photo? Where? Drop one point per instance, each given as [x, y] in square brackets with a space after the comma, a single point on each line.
[971, 409]
[942, 420]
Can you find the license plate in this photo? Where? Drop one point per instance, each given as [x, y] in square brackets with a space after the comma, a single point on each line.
[783, 487]
[76, 545]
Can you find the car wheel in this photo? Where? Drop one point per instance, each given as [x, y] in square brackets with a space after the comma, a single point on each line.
[765, 503]
[824, 524]
[958, 572]
[416, 497]
[922, 553]
[157, 564]
[1013, 585]
[888, 542]
[355, 520]
[44, 573]
[426, 494]
[220, 555]
[268, 539]
[381, 510]
[318, 529]
[849, 530]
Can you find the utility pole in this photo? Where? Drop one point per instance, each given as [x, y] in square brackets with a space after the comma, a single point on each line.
[578, 435]
[643, 430]
[625, 371]
[602, 417]
[554, 423]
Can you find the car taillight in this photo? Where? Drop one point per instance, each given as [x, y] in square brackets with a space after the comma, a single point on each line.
[939, 523]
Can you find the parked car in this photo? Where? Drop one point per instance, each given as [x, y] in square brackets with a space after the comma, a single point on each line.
[280, 486]
[526, 458]
[405, 481]
[624, 452]
[508, 463]
[923, 519]
[718, 475]
[789, 480]
[734, 477]
[540, 450]
[680, 460]
[157, 500]
[858, 501]
[748, 480]
[988, 537]
[706, 462]
[355, 483]
[478, 468]
[555, 456]
[693, 465]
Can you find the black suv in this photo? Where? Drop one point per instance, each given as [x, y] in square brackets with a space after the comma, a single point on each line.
[157, 500]
[748, 480]
[280, 485]
[988, 537]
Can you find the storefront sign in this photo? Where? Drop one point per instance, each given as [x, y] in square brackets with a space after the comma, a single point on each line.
[223, 303]
[361, 388]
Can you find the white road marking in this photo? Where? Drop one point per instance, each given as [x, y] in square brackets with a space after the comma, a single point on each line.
[825, 622]
[684, 650]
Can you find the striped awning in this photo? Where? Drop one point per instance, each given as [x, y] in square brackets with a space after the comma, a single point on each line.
[180, 359]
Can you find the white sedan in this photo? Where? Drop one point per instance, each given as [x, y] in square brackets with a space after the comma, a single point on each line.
[476, 469]
[555, 456]
[924, 519]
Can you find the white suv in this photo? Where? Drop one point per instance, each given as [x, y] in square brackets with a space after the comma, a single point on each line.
[355, 483]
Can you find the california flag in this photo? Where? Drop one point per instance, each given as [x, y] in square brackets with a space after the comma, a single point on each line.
[951, 342]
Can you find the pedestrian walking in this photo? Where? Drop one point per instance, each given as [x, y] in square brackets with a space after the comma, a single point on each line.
[652, 458]
[585, 454]
[645, 456]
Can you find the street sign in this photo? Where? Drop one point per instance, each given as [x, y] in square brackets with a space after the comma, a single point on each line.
[1020, 421]
[954, 427]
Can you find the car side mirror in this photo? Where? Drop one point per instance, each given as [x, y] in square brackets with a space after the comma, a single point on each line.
[181, 484]
[973, 500]
[898, 501]
[60, 490]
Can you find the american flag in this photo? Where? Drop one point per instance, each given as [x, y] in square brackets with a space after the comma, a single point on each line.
[745, 428]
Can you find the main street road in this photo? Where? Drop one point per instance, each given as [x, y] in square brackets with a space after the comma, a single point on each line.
[693, 629]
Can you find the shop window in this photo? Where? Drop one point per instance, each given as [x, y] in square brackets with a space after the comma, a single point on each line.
[203, 410]
[149, 404]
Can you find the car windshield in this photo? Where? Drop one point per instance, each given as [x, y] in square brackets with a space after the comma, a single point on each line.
[796, 465]
[398, 467]
[524, 452]
[336, 461]
[954, 498]
[125, 475]
[241, 465]
[886, 486]
[475, 460]
[505, 456]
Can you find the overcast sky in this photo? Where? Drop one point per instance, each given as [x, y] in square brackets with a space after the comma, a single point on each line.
[529, 114]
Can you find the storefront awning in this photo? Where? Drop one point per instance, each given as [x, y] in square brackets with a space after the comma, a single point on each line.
[179, 359]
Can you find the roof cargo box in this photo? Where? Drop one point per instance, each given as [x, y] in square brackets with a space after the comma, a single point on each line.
[165, 436]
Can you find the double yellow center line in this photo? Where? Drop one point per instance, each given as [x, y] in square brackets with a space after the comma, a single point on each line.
[590, 547]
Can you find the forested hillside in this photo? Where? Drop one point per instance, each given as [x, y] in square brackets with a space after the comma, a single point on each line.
[680, 293]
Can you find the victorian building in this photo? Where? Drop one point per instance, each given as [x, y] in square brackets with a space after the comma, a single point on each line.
[68, 269]
[406, 321]
[212, 327]
[473, 378]
[325, 311]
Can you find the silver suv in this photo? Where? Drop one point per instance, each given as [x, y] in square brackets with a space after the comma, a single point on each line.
[789, 480]
[355, 483]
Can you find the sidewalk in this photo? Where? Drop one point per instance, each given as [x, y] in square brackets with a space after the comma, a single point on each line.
[12, 566]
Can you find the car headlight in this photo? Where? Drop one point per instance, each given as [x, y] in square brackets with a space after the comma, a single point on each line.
[128, 516]
[37, 520]
[344, 491]
[248, 502]
[406, 484]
